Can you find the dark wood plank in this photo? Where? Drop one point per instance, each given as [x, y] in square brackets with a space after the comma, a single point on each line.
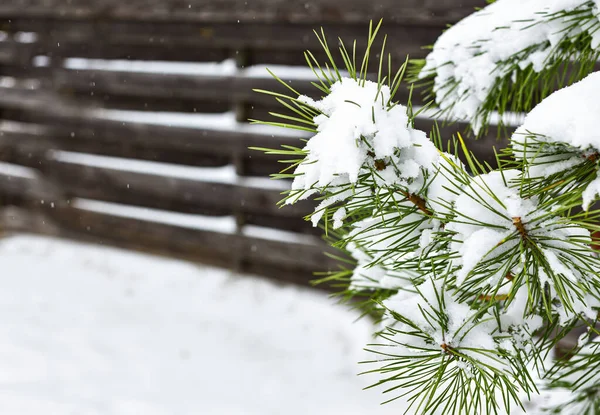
[250, 205]
[284, 262]
[42, 208]
[76, 129]
[175, 92]
[234, 37]
[432, 12]
[32, 191]
[175, 86]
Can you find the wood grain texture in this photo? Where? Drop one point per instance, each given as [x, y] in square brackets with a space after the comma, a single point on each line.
[429, 12]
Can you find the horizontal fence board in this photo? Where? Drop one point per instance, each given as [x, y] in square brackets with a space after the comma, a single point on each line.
[250, 205]
[239, 39]
[35, 137]
[182, 145]
[21, 53]
[284, 261]
[32, 191]
[209, 88]
[176, 92]
[199, 87]
[430, 12]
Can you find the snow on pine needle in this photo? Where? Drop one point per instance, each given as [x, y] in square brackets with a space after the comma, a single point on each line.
[503, 243]
[361, 132]
[475, 275]
[437, 353]
[509, 55]
[560, 140]
[580, 376]
[368, 275]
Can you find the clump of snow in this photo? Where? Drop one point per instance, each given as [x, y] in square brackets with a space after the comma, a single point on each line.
[390, 237]
[358, 129]
[369, 275]
[338, 217]
[467, 59]
[562, 132]
[568, 116]
[491, 222]
[485, 221]
[441, 190]
[434, 324]
[448, 328]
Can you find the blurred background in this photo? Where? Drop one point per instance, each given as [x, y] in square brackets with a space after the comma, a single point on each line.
[146, 267]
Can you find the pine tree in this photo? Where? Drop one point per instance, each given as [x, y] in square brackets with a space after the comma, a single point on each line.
[474, 273]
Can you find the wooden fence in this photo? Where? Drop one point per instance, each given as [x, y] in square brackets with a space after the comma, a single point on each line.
[94, 162]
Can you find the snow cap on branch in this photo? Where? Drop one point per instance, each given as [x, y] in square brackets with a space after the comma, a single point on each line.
[359, 127]
[468, 58]
[562, 132]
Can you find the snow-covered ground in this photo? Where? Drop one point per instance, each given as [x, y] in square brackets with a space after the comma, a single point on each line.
[88, 330]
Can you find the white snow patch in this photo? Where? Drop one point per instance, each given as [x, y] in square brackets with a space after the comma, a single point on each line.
[9, 169]
[225, 68]
[99, 331]
[261, 232]
[567, 117]
[223, 121]
[225, 174]
[222, 224]
[26, 37]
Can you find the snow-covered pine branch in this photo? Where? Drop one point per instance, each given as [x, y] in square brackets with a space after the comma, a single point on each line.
[475, 274]
[559, 142]
[510, 55]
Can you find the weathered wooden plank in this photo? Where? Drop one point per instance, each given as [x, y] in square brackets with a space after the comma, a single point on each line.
[251, 205]
[176, 145]
[211, 88]
[240, 38]
[432, 12]
[174, 92]
[9, 49]
[33, 191]
[79, 139]
[13, 52]
[284, 262]
[77, 127]
[176, 86]
[43, 208]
